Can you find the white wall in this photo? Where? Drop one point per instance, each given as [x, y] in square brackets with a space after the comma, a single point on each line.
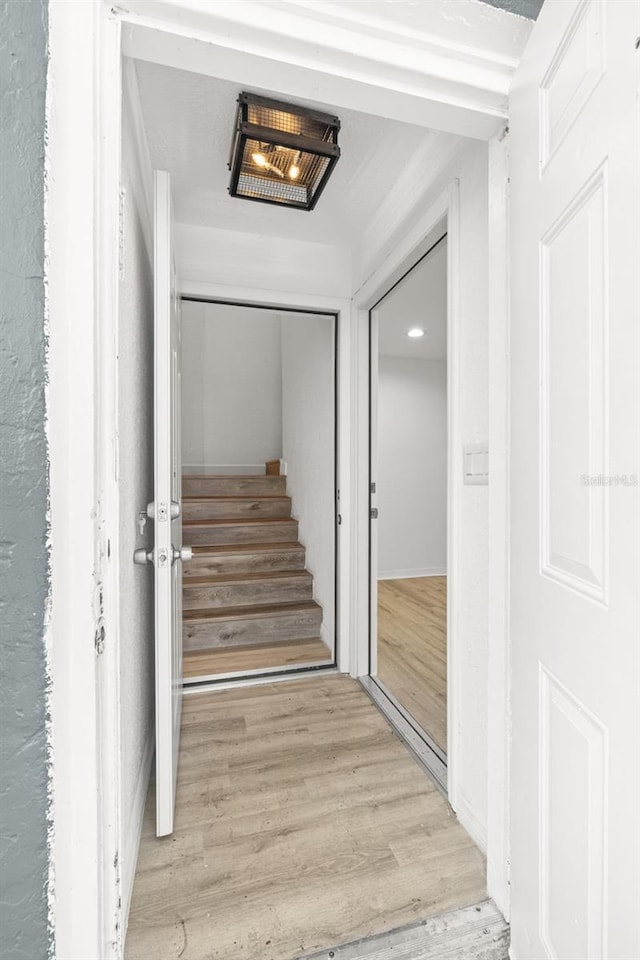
[308, 447]
[411, 473]
[254, 261]
[231, 388]
[135, 464]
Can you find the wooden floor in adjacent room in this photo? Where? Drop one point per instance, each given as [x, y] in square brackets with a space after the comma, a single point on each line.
[412, 649]
[302, 822]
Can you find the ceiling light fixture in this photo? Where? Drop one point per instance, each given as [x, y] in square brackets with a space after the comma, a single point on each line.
[282, 153]
[415, 332]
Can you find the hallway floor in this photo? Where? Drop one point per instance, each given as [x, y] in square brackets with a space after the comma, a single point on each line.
[302, 822]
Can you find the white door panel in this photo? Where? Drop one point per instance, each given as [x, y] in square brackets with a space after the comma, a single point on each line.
[168, 552]
[574, 501]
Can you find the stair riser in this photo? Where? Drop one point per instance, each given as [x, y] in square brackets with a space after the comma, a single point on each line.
[233, 486]
[269, 629]
[268, 507]
[229, 563]
[233, 533]
[210, 596]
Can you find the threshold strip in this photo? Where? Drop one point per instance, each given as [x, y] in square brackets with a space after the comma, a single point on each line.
[478, 932]
[432, 763]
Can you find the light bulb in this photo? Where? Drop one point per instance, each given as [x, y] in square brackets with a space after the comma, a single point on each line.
[294, 171]
[416, 332]
[260, 159]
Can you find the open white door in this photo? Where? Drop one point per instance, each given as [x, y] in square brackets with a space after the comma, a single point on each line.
[575, 573]
[166, 509]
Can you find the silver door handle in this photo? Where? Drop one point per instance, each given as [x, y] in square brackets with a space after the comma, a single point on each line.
[183, 553]
[143, 556]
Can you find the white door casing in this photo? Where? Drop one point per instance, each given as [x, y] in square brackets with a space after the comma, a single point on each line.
[168, 552]
[575, 593]
[374, 365]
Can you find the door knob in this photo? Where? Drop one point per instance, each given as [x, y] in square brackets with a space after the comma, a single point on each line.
[183, 553]
[143, 556]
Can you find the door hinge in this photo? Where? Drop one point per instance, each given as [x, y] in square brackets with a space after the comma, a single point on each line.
[374, 513]
[373, 487]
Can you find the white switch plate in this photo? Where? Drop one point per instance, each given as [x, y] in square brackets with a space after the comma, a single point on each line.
[475, 463]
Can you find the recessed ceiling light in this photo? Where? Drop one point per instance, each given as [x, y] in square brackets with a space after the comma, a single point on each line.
[416, 332]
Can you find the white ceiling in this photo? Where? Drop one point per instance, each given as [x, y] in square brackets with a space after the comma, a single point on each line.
[420, 300]
[189, 120]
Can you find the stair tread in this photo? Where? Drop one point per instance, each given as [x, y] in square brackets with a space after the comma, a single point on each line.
[204, 550]
[237, 520]
[251, 613]
[251, 477]
[236, 496]
[250, 577]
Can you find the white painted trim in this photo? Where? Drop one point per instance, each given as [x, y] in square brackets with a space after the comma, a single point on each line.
[413, 77]
[470, 822]
[499, 650]
[410, 574]
[134, 832]
[454, 468]
[265, 296]
[223, 469]
[71, 406]
[108, 224]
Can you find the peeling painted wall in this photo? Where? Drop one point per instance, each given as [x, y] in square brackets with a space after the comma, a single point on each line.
[522, 8]
[23, 484]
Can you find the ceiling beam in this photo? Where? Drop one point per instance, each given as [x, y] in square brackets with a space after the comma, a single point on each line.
[324, 59]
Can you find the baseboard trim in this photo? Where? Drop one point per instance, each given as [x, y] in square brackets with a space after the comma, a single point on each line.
[476, 830]
[223, 469]
[410, 574]
[134, 833]
[326, 635]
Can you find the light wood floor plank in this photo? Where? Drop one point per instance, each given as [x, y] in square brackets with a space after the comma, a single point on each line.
[302, 821]
[412, 649]
[259, 656]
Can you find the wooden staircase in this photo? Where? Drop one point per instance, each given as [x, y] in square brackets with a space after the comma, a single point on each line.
[247, 597]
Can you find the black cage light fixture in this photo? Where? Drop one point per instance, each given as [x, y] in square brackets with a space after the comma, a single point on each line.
[282, 153]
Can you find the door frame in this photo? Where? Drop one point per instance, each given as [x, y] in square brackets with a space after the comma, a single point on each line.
[340, 649]
[83, 234]
[442, 217]
[419, 740]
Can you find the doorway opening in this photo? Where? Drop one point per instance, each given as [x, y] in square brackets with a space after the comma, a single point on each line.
[259, 469]
[408, 500]
[235, 260]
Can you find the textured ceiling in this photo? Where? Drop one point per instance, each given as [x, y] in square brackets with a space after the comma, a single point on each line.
[189, 122]
[420, 300]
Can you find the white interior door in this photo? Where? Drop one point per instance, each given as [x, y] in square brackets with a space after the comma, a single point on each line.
[575, 588]
[374, 366]
[166, 510]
